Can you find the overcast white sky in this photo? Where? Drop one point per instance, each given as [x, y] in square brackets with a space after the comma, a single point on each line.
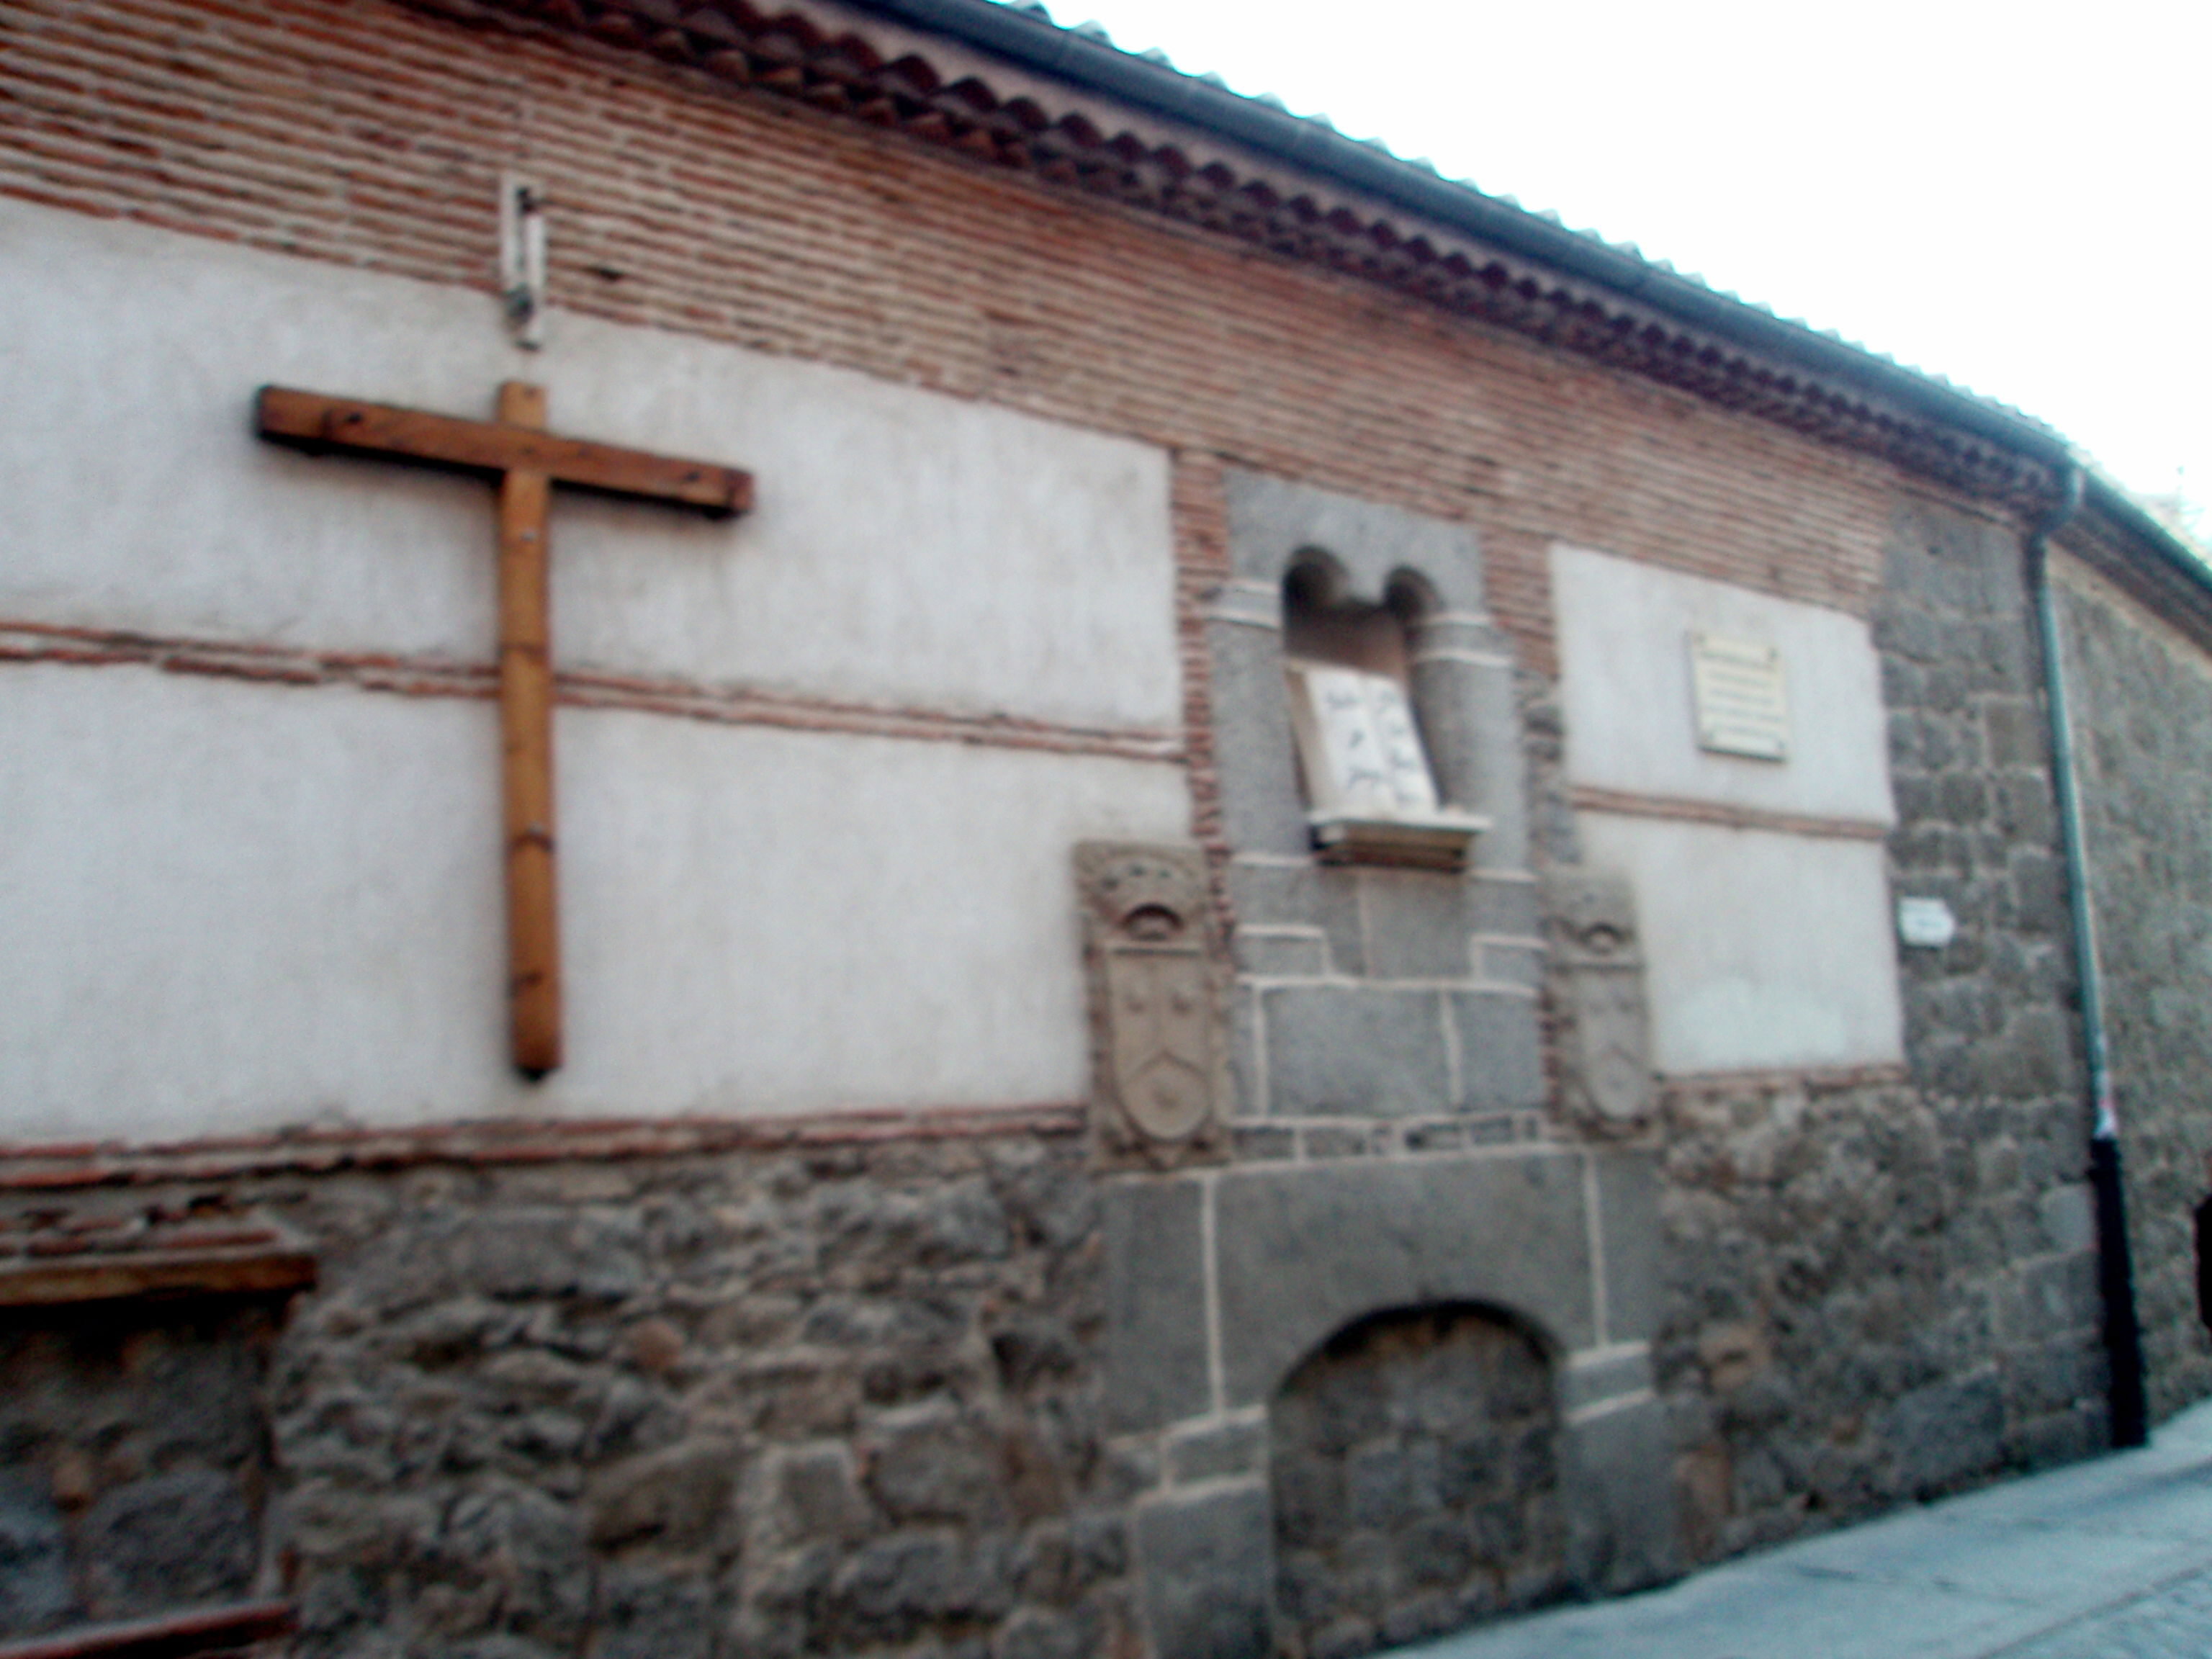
[2017, 196]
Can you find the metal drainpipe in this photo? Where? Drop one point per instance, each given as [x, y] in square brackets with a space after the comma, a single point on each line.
[2115, 1264]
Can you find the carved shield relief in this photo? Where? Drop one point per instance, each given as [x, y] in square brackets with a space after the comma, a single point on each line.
[1157, 1042]
[1606, 1046]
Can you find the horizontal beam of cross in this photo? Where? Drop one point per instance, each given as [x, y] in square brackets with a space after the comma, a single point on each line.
[311, 420]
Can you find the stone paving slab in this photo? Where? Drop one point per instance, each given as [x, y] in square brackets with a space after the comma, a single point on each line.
[2109, 1560]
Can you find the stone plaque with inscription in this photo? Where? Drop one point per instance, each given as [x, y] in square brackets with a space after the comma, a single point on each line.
[1158, 1043]
[1742, 704]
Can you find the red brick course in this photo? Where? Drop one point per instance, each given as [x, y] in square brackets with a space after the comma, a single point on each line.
[359, 132]
[367, 133]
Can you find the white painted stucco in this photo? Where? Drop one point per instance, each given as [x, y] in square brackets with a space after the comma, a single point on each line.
[1764, 949]
[231, 907]
[1761, 949]
[1623, 630]
[907, 547]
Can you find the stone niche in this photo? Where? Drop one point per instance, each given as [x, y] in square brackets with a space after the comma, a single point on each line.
[1245, 1305]
[1414, 1466]
[1366, 990]
[138, 1460]
[1392, 1363]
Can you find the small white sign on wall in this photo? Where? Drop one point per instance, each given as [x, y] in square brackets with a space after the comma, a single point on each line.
[1927, 922]
[1743, 705]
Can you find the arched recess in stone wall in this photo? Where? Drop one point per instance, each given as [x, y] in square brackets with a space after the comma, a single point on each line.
[1415, 1476]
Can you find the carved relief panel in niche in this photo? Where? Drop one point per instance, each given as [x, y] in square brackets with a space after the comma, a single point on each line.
[1370, 785]
[1159, 1047]
[1605, 1039]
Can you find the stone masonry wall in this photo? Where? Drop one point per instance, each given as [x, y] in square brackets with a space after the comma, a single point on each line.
[782, 1403]
[2140, 700]
[1414, 1466]
[134, 1458]
[1883, 1286]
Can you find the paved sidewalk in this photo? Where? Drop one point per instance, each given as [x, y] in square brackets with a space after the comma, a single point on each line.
[2109, 1560]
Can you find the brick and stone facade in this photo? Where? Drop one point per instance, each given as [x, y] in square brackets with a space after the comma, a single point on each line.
[812, 1320]
[2138, 692]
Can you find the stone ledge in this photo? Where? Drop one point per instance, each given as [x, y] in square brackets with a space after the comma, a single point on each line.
[60, 1167]
[208, 1630]
[52, 1257]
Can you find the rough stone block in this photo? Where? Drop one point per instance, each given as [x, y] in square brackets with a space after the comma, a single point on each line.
[1418, 925]
[1322, 1140]
[941, 1464]
[1634, 1243]
[1498, 904]
[814, 1494]
[1217, 1451]
[1948, 1432]
[1511, 962]
[1305, 1250]
[1208, 1570]
[1039, 1633]
[2014, 732]
[1264, 1142]
[1355, 1049]
[2068, 1214]
[678, 1497]
[34, 1580]
[1501, 1051]
[1262, 807]
[648, 1614]
[590, 1254]
[1617, 1483]
[181, 1536]
[1605, 1375]
[1268, 954]
[1156, 1362]
[1303, 894]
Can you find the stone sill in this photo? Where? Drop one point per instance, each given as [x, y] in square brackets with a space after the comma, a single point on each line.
[1441, 842]
[233, 1629]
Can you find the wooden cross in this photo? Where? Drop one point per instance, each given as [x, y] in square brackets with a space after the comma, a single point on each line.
[516, 452]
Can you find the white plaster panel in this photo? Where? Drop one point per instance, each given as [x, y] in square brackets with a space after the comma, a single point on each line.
[231, 907]
[908, 547]
[1762, 949]
[1623, 630]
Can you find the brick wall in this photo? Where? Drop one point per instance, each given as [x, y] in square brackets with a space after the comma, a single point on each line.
[362, 132]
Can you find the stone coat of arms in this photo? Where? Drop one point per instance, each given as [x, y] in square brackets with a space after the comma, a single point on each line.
[1598, 975]
[1159, 1044]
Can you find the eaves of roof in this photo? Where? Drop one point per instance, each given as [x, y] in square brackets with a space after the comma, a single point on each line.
[1518, 270]
[1025, 35]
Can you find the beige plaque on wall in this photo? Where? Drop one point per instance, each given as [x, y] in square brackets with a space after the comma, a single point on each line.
[1742, 704]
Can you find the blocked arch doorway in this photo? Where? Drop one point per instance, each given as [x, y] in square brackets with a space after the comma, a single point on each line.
[1414, 1464]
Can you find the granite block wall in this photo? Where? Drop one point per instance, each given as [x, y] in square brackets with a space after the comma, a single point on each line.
[814, 1401]
[1883, 1286]
[135, 1465]
[2140, 696]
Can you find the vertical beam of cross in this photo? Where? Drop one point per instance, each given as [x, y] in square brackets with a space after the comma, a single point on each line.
[525, 461]
[525, 735]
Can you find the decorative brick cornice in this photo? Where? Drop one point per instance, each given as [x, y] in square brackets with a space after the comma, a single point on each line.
[790, 55]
